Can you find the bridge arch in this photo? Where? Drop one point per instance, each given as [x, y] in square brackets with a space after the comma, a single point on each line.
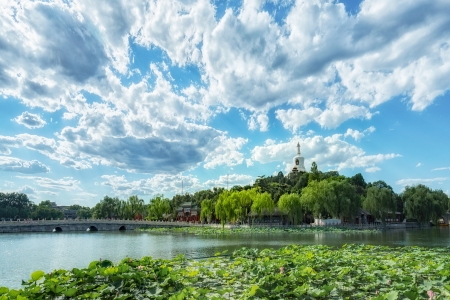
[92, 228]
[57, 229]
[121, 228]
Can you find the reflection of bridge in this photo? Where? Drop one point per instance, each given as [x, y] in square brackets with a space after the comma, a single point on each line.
[80, 225]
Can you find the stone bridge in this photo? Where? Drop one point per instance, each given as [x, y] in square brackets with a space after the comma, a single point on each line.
[81, 225]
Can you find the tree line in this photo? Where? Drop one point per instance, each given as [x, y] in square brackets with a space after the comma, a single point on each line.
[315, 194]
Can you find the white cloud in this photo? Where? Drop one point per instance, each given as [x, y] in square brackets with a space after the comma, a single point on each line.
[30, 120]
[249, 162]
[331, 152]
[151, 186]
[294, 119]
[418, 165]
[441, 169]
[12, 164]
[65, 183]
[230, 180]
[227, 153]
[373, 169]
[27, 190]
[355, 134]
[258, 120]
[414, 181]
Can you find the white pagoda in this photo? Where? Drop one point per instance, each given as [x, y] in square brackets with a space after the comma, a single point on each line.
[299, 162]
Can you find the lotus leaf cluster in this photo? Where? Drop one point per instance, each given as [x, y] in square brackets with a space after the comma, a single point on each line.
[258, 230]
[292, 272]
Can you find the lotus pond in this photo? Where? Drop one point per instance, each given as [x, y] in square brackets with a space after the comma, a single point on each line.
[292, 272]
[258, 230]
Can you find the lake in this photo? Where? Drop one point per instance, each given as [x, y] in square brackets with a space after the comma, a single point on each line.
[23, 253]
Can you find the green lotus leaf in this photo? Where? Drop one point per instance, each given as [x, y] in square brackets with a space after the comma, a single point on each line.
[36, 275]
[70, 292]
[3, 290]
[13, 293]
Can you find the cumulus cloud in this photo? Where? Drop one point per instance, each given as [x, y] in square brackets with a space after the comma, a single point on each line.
[230, 180]
[330, 151]
[227, 153]
[155, 185]
[294, 119]
[357, 135]
[12, 164]
[418, 165]
[414, 181]
[30, 120]
[260, 121]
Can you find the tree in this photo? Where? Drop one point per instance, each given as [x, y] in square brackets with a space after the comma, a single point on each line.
[424, 204]
[379, 201]
[345, 202]
[291, 205]
[207, 210]
[158, 207]
[107, 208]
[45, 210]
[263, 204]
[222, 208]
[136, 207]
[315, 173]
[314, 197]
[15, 205]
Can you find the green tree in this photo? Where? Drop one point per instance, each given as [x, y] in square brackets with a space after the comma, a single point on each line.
[315, 196]
[45, 210]
[315, 173]
[223, 208]
[15, 205]
[136, 206]
[262, 204]
[107, 208]
[207, 210]
[158, 207]
[424, 204]
[291, 205]
[379, 201]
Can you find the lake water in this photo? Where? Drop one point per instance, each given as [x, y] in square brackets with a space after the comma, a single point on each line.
[23, 253]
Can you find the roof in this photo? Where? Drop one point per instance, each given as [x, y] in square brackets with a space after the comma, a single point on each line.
[364, 212]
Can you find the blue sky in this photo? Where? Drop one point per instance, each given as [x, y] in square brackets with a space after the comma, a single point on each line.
[132, 97]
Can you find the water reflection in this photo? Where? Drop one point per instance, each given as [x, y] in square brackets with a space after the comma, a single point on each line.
[21, 254]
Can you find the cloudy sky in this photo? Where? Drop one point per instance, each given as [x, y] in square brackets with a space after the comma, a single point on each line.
[133, 97]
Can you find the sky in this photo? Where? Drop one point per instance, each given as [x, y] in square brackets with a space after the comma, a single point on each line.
[125, 98]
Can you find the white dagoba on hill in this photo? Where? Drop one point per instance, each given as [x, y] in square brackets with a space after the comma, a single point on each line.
[299, 162]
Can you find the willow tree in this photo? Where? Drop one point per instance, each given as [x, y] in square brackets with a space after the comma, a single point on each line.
[263, 203]
[424, 204]
[158, 207]
[207, 210]
[380, 202]
[223, 208]
[291, 205]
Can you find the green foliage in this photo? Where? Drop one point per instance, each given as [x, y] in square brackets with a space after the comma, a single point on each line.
[46, 211]
[158, 207]
[262, 204]
[424, 204]
[380, 201]
[292, 272]
[207, 210]
[15, 205]
[291, 205]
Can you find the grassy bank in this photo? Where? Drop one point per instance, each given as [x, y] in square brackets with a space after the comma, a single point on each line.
[293, 272]
[257, 230]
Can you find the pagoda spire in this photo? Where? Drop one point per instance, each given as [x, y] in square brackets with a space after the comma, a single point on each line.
[298, 148]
